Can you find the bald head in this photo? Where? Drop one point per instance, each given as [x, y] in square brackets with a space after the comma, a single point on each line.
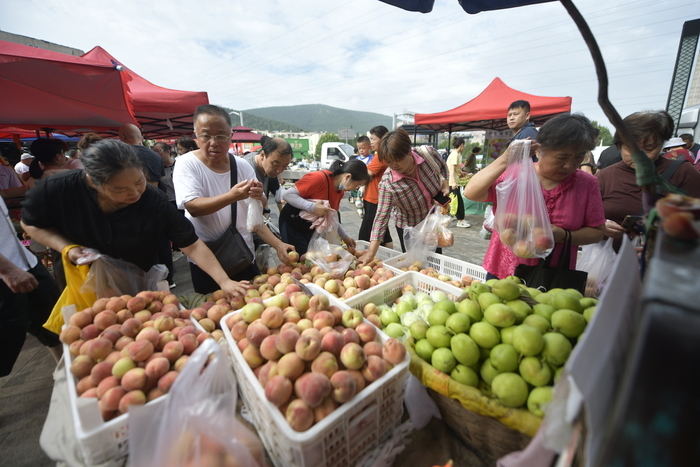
[130, 134]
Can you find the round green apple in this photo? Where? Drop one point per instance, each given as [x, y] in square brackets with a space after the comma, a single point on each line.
[538, 400]
[388, 316]
[566, 301]
[537, 321]
[557, 348]
[465, 375]
[506, 290]
[544, 310]
[507, 334]
[443, 360]
[485, 335]
[510, 389]
[504, 357]
[471, 309]
[438, 336]
[457, 322]
[488, 372]
[535, 372]
[521, 310]
[394, 330]
[528, 340]
[568, 322]
[486, 299]
[418, 329]
[425, 349]
[437, 317]
[499, 315]
[446, 305]
[464, 349]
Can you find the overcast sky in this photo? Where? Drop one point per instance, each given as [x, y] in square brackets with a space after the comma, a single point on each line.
[369, 56]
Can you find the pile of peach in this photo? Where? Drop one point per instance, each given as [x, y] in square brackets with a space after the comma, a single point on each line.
[311, 360]
[129, 350]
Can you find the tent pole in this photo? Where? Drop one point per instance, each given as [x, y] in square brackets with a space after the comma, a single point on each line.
[647, 178]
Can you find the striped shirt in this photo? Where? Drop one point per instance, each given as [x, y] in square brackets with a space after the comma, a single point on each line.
[409, 198]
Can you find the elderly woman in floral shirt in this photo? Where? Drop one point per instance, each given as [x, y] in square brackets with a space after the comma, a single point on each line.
[407, 188]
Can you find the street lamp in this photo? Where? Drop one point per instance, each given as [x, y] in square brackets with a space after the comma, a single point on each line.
[239, 113]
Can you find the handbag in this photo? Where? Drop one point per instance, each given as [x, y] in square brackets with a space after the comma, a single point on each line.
[231, 249]
[560, 276]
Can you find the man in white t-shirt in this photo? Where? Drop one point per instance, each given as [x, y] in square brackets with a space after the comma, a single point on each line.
[22, 167]
[203, 188]
[27, 296]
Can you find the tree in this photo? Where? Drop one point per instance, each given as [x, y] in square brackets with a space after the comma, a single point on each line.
[606, 138]
[325, 138]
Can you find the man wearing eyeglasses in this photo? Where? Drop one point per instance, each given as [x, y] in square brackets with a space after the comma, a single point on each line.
[203, 188]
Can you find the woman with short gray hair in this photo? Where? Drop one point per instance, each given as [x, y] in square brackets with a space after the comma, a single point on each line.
[110, 207]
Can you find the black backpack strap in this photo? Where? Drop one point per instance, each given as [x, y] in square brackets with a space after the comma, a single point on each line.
[669, 171]
[234, 180]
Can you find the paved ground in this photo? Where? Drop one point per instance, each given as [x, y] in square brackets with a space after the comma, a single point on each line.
[25, 394]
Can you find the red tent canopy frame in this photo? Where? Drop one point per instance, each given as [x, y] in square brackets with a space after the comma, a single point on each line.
[161, 112]
[41, 89]
[488, 110]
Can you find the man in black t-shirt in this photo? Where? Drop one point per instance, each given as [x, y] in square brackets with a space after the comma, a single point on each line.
[130, 134]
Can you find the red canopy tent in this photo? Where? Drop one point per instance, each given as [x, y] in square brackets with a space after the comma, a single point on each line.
[243, 138]
[160, 111]
[488, 110]
[42, 89]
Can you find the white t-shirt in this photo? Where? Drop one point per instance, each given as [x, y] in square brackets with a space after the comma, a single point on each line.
[21, 168]
[11, 248]
[192, 179]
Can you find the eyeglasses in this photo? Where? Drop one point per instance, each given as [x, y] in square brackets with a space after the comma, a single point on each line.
[219, 138]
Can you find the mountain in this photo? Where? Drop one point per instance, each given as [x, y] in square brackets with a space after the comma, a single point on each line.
[260, 123]
[322, 118]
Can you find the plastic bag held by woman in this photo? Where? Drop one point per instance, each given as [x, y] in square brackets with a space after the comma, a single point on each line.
[111, 277]
[196, 425]
[521, 217]
[325, 248]
[428, 235]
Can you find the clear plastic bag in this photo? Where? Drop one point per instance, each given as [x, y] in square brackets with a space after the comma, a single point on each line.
[430, 233]
[196, 425]
[325, 250]
[597, 260]
[255, 215]
[521, 218]
[110, 277]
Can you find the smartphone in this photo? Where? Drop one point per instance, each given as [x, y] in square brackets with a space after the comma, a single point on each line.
[630, 223]
[442, 199]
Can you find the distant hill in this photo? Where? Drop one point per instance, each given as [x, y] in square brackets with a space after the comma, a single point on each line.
[260, 123]
[322, 118]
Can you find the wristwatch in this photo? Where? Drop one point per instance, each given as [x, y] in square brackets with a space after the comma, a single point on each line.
[266, 211]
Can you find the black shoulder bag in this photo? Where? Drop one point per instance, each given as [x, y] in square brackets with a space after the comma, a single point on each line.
[231, 249]
[560, 276]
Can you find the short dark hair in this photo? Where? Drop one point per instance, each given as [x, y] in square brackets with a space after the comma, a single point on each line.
[44, 150]
[458, 141]
[686, 137]
[356, 168]
[210, 109]
[567, 131]
[394, 146]
[653, 127]
[520, 104]
[279, 145]
[163, 146]
[105, 159]
[476, 150]
[379, 131]
[363, 139]
[187, 143]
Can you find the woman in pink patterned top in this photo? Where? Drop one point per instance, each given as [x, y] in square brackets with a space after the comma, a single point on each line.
[571, 195]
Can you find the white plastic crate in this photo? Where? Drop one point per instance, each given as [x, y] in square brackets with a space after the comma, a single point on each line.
[387, 292]
[452, 267]
[99, 441]
[383, 253]
[338, 440]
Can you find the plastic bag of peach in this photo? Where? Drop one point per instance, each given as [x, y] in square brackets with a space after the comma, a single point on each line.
[197, 425]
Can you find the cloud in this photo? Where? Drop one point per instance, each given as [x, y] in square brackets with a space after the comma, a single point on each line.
[370, 56]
